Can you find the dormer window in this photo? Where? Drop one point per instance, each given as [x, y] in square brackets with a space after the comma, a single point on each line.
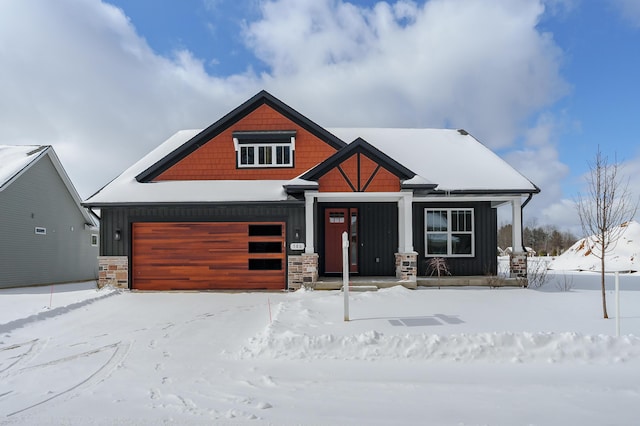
[264, 149]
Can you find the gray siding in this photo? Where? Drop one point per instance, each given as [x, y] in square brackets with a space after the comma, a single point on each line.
[39, 198]
[485, 261]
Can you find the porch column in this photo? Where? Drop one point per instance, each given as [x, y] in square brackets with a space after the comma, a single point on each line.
[406, 258]
[309, 201]
[405, 223]
[516, 228]
[518, 256]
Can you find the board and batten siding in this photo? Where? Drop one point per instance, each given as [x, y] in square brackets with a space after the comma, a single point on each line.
[121, 218]
[485, 261]
[39, 198]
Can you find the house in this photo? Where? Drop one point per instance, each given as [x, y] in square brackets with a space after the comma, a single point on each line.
[46, 236]
[260, 199]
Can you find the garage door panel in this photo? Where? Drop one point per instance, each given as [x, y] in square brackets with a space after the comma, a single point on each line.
[208, 255]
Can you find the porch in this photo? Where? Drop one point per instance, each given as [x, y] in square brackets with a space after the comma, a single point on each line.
[358, 283]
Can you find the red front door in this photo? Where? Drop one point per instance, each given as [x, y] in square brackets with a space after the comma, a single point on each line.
[337, 221]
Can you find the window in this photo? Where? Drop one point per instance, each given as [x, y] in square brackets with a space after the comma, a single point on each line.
[449, 232]
[264, 149]
[94, 240]
[40, 230]
[268, 155]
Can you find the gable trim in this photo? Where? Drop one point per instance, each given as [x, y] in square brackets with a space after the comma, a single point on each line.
[363, 147]
[262, 98]
[373, 175]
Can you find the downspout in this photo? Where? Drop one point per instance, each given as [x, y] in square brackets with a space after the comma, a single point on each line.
[524, 250]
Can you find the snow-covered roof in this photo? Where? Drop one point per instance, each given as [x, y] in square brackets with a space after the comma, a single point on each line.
[126, 189]
[452, 159]
[14, 159]
[467, 165]
[17, 159]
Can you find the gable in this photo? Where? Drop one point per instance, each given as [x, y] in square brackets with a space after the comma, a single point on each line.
[359, 173]
[217, 158]
[213, 154]
[28, 174]
[360, 167]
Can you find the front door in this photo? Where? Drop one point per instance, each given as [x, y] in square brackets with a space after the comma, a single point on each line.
[337, 221]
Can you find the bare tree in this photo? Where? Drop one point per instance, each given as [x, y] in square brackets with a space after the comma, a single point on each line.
[607, 205]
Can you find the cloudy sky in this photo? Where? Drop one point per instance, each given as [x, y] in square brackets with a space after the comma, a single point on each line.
[541, 82]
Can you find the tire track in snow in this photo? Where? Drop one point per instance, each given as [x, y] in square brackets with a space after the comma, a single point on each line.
[120, 352]
[35, 347]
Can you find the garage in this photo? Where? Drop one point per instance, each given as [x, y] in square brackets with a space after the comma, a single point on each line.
[208, 255]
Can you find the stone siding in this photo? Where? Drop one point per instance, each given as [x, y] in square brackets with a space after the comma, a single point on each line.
[518, 265]
[303, 270]
[113, 271]
[407, 266]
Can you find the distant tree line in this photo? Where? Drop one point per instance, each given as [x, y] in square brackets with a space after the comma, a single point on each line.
[545, 240]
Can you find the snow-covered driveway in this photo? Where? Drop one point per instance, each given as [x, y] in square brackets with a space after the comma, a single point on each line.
[456, 356]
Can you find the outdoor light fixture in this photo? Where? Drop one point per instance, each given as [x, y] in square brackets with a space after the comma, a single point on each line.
[116, 235]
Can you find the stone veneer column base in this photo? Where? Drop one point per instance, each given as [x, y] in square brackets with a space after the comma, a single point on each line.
[518, 265]
[303, 270]
[407, 266]
[113, 271]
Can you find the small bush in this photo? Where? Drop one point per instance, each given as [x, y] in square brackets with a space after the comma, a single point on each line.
[438, 266]
[536, 274]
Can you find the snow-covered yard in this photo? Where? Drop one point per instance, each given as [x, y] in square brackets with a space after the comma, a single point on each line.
[460, 356]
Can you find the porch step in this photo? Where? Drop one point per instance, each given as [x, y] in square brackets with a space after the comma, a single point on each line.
[475, 281]
[362, 283]
[361, 288]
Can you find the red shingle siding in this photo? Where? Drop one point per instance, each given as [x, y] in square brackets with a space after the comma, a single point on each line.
[383, 181]
[333, 181]
[216, 160]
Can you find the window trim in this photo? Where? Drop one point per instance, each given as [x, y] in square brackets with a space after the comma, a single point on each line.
[269, 139]
[449, 232]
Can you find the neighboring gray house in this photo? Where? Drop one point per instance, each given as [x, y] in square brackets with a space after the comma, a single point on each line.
[46, 236]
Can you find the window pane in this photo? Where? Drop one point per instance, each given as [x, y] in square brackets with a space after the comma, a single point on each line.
[283, 155]
[287, 155]
[246, 155]
[265, 230]
[460, 243]
[437, 220]
[461, 221]
[264, 155]
[437, 244]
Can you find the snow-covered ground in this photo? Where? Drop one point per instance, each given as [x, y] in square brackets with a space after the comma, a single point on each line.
[462, 356]
[623, 255]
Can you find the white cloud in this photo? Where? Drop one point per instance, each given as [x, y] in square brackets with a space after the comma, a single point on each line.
[80, 77]
[483, 66]
[539, 161]
[630, 10]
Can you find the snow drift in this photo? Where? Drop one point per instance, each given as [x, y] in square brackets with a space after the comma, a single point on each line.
[622, 256]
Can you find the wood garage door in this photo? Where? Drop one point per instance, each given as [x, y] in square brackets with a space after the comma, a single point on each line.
[208, 255]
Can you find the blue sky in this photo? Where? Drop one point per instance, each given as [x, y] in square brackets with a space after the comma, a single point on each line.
[541, 82]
